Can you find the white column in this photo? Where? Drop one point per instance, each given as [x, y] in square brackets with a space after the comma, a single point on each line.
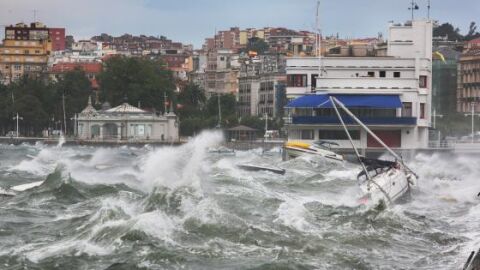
[119, 132]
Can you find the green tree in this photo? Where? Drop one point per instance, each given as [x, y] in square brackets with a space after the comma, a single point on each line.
[258, 45]
[227, 106]
[138, 79]
[448, 30]
[191, 100]
[472, 32]
[206, 116]
[259, 123]
[31, 99]
[76, 88]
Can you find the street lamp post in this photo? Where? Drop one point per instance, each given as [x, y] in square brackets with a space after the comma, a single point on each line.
[17, 118]
[473, 114]
[435, 115]
[75, 124]
[265, 116]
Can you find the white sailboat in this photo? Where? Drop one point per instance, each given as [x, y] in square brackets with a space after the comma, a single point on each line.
[380, 180]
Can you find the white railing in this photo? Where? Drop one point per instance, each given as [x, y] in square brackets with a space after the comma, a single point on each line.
[367, 83]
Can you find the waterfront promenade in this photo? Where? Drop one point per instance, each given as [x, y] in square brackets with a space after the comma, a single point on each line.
[458, 147]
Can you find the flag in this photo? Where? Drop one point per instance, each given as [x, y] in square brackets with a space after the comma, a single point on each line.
[439, 54]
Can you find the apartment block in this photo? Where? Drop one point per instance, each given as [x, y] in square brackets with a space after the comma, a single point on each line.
[25, 51]
[468, 92]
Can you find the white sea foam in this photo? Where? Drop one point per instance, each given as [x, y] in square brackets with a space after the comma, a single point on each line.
[292, 213]
[173, 167]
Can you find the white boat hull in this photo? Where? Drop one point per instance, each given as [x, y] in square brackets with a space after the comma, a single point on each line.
[388, 186]
[28, 186]
[294, 152]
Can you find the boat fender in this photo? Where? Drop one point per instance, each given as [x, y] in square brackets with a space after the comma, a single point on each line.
[409, 180]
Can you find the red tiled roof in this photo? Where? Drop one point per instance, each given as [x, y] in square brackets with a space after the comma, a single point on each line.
[87, 67]
[474, 41]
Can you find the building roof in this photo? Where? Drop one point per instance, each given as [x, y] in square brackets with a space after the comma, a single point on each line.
[241, 128]
[88, 67]
[125, 108]
[474, 41]
[89, 110]
[471, 52]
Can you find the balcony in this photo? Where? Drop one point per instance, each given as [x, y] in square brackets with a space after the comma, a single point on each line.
[367, 83]
[298, 91]
[326, 120]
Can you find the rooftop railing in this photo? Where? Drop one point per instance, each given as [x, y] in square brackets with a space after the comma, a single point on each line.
[348, 120]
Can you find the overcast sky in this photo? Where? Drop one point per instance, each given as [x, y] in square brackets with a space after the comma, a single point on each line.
[190, 21]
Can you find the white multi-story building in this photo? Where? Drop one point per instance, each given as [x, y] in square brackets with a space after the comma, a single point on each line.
[391, 94]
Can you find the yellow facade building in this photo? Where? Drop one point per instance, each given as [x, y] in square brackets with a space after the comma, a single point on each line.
[24, 52]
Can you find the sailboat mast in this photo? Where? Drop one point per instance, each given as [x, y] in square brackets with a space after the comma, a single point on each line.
[370, 132]
[64, 115]
[319, 41]
[219, 112]
[350, 139]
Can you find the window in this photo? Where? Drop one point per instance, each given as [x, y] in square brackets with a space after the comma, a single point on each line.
[422, 110]
[423, 81]
[314, 80]
[338, 134]
[396, 74]
[383, 73]
[17, 67]
[371, 74]
[26, 51]
[297, 80]
[307, 134]
[406, 109]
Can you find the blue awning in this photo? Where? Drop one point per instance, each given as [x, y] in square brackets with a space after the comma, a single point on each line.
[352, 101]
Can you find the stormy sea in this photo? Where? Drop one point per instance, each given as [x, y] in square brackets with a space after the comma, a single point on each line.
[183, 207]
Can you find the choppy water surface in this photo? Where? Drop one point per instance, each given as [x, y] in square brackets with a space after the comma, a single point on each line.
[183, 208]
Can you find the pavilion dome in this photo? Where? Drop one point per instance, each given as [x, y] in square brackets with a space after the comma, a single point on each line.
[89, 110]
[106, 106]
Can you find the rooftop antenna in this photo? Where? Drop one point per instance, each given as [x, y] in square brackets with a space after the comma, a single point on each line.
[413, 6]
[319, 41]
[34, 15]
[428, 9]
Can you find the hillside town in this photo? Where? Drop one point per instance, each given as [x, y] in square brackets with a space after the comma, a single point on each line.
[267, 74]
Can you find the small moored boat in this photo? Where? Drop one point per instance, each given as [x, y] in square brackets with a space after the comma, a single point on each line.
[221, 150]
[253, 167]
[320, 148]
